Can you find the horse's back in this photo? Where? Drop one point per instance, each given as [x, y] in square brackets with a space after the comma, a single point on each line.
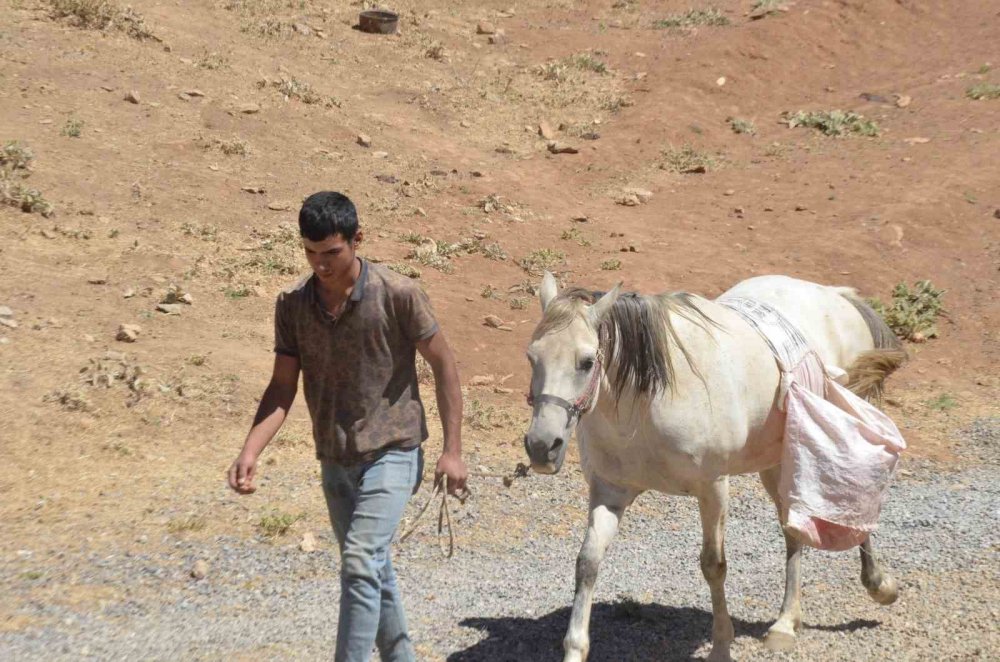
[825, 315]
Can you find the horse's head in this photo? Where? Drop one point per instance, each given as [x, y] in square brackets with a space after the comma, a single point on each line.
[566, 370]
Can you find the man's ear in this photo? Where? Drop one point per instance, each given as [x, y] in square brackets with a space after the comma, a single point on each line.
[359, 237]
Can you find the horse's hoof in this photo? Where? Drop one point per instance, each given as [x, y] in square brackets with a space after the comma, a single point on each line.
[779, 638]
[886, 592]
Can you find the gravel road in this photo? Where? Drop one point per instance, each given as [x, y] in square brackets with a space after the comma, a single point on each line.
[509, 600]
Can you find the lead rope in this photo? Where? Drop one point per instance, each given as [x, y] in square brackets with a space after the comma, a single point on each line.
[444, 517]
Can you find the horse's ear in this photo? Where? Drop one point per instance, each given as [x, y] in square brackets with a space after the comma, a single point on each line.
[603, 306]
[548, 290]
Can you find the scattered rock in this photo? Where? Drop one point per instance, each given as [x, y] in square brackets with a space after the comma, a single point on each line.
[562, 148]
[97, 280]
[482, 380]
[502, 390]
[465, 124]
[260, 190]
[129, 293]
[903, 100]
[801, 208]
[8, 322]
[302, 29]
[184, 96]
[194, 93]
[996, 213]
[279, 206]
[427, 249]
[918, 140]
[6, 312]
[380, 155]
[729, 192]
[89, 338]
[499, 38]
[873, 98]
[48, 234]
[133, 97]
[364, 140]
[633, 196]
[200, 569]
[493, 321]
[580, 219]
[628, 200]
[250, 108]
[720, 81]
[170, 308]
[308, 543]
[128, 332]
[918, 337]
[485, 27]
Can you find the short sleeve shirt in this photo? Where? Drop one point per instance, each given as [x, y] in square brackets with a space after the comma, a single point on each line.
[359, 369]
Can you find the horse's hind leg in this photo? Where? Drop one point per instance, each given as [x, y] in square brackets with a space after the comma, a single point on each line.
[880, 584]
[714, 506]
[607, 506]
[781, 635]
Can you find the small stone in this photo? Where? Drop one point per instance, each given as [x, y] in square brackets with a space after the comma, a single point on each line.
[194, 93]
[97, 280]
[129, 293]
[918, 337]
[641, 194]
[562, 148]
[4, 340]
[996, 213]
[89, 338]
[493, 321]
[279, 206]
[133, 97]
[186, 298]
[502, 390]
[628, 200]
[128, 332]
[380, 155]
[184, 96]
[485, 27]
[918, 140]
[200, 569]
[499, 38]
[308, 543]
[7, 322]
[170, 308]
[800, 208]
[259, 190]
[729, 192]
[482, 380]
[903, 100]
[465, 124]
[6, 312]
[545, 130]
[364, 140]
[302, 29]
[580, 219]
[107, 88]
[720, 81]
[419, 211]
[250, 108]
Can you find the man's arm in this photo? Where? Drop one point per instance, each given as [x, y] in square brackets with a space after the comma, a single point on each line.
[271, 413]
[448, 388]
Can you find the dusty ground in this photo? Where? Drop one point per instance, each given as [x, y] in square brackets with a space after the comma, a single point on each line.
[151, 194]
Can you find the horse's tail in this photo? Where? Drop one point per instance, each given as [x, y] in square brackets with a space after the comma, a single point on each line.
[867, 375]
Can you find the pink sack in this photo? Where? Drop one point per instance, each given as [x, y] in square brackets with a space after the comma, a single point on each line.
[839, 456]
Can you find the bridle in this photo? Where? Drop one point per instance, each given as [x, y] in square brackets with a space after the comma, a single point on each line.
[580, 406]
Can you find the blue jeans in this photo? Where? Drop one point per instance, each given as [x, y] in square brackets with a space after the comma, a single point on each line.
[366, 502]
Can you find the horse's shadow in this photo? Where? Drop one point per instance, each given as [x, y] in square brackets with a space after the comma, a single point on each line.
[646, 632]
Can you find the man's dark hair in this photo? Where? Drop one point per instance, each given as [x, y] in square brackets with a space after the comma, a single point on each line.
[326, 214]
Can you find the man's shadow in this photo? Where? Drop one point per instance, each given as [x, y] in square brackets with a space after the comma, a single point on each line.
[618, 631]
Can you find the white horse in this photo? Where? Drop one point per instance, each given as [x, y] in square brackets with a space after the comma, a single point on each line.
[675, 393]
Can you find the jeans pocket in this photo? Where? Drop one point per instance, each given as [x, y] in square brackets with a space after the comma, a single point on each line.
[418, 479]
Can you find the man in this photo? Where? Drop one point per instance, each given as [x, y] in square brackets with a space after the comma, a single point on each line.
[353, 328]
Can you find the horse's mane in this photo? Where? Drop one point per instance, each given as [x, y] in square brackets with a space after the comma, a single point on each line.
[636, 336]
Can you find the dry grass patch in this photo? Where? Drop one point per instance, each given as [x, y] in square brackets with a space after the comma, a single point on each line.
[15, 167]
[544, 259]
[687, 160]
[834, 122]
[987, 91]
[691, 19]
[101, 15]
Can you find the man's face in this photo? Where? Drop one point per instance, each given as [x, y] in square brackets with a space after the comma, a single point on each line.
[333, 258]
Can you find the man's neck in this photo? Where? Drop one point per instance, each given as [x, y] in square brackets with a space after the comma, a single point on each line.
[342, 288]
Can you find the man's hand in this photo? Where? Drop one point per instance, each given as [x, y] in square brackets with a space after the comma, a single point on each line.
[241, 474]
[452, 466]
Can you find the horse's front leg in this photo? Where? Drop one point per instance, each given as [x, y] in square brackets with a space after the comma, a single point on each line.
[714, 506]
[781, 634]
[607, 505]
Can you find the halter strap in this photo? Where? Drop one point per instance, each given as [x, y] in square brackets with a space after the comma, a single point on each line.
[579, 406]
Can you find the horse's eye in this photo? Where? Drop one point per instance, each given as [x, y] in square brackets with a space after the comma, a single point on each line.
[586, 365]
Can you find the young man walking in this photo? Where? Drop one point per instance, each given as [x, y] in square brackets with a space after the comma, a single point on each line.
[353, 329]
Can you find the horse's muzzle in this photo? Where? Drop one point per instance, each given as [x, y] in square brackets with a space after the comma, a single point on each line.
[545, 458]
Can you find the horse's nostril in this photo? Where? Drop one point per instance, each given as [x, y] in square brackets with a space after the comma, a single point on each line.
[557, 444]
